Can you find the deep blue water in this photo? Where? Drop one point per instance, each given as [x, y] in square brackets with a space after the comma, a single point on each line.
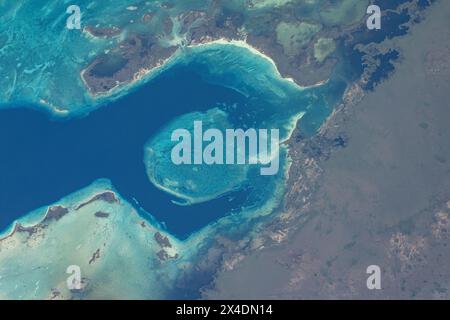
[384, 68]
[392, 25]
[43, 160]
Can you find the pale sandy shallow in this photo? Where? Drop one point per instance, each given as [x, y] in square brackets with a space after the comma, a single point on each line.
[243, 44]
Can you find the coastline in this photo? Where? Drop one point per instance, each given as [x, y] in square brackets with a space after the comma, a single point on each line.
[145, 75]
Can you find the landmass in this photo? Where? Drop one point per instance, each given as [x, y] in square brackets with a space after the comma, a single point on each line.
[371, 188]
[281, 34]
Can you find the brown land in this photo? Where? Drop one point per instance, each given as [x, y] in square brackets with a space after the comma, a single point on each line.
[372, 188]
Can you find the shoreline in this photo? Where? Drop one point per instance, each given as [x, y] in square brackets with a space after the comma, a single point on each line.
[145, 75]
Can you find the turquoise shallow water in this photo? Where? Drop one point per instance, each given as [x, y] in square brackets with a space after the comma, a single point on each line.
[41, 59]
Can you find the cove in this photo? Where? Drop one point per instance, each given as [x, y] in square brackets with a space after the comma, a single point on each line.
[43, 159]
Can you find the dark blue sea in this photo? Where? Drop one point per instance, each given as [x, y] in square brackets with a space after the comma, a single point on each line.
[44, 159]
